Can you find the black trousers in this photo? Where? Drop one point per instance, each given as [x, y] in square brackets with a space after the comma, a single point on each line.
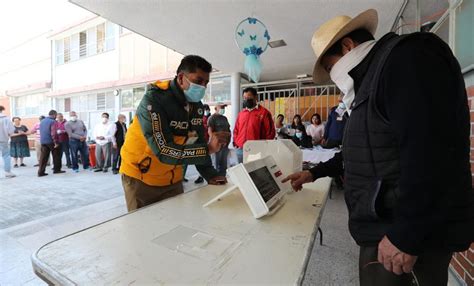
[117, 158]
[431, 268]
[45, 150]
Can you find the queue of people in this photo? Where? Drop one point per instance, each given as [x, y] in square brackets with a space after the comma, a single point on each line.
[56, 138]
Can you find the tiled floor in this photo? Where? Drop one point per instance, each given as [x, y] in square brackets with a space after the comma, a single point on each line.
[35, 211]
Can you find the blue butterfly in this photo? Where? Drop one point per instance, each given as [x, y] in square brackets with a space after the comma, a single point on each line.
[253, 38]
[252, 20]
[266, 35]
[241, 33]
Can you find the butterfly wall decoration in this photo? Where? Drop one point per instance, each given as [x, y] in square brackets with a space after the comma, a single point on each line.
[252, 37]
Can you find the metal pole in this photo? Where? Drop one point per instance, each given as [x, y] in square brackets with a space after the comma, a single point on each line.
[234, 98]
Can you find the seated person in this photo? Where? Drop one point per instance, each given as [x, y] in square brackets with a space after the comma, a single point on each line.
[300, 137]
[280, 129]
[315, 129]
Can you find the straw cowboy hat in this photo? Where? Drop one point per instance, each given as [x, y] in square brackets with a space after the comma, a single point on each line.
[332, 31]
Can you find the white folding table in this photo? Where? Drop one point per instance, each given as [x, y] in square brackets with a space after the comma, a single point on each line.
[177, 241]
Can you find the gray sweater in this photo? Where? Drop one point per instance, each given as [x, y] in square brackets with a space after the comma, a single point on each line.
[6, 128]
[76, 129]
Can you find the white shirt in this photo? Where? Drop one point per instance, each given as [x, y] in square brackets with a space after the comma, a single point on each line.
[316, 132]
[106, 130]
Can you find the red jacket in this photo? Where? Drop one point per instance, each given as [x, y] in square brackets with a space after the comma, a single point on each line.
[256, 124]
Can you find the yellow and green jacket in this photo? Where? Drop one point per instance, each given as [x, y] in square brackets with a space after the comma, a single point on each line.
[154, 149]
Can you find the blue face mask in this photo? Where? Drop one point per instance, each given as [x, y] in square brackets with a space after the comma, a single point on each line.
[221, 111]
[195, 92]
[299, 135]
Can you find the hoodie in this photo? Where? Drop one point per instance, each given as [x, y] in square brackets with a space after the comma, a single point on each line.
[6, 128]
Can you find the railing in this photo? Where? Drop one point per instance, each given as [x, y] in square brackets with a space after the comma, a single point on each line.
[291, 97]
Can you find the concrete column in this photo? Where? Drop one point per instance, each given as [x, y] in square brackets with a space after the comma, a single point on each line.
[235, 97]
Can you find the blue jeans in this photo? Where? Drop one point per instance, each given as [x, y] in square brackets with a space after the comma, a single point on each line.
[83, 149]
[65, 150]
[7, 161]
[240, 154]
[221, 160]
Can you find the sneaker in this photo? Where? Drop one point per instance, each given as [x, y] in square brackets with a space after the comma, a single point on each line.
[98, 170]
[59, 172]
[36, 165]
[115, 172]
[22, 165]
[15, 166]
[42, 175]
[105, 170]
[9, 175]
[69, 166]
[75, 170]
[199, 180]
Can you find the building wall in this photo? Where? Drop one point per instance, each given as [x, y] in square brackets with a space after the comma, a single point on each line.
[140, 56]
[91, 70]
[5, 102]
[463, 262]
[27, 63]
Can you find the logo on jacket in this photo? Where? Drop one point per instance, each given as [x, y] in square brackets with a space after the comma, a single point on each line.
[196, 121]
[200, 111]
[179, 124]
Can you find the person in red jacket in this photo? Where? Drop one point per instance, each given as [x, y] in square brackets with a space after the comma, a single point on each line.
[254, 122]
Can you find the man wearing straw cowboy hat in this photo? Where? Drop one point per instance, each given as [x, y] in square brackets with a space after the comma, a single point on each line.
[408, 193]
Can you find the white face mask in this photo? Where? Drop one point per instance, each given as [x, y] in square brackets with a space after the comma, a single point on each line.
[73, 118]
[105, 120]
[340, 71]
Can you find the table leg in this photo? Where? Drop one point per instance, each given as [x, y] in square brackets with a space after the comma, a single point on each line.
[320, 236]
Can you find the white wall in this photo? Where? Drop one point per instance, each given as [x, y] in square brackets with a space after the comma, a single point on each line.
[91, 70]
[27, 63]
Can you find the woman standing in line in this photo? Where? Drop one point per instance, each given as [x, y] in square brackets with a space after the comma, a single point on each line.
[19, 148]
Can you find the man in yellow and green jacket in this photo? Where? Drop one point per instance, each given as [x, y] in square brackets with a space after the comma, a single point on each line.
[167, 132]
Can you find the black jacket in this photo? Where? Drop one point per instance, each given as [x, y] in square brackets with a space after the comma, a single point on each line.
[422, 96]
[119, 133]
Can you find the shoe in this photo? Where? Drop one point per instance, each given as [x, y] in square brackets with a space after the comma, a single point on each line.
[69, 166]
[97, 170]
[115, 172]
[185, 180]
[9, 175]
[22, 165]
[15, 166]
[199, 180]
[75, 170]
[42, 175]
[36, 165]
[105, 170]
[59, 172]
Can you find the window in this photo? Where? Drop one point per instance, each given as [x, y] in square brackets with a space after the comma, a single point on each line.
[218, 90]
[100, 38]
[463, 42]
[101, 101]
[127, 99]
[59, 45]
[137, 96]
[63, 104]
[92, 41]
[82, 44]
[75, 47]
[67, 50]
[110, 36]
